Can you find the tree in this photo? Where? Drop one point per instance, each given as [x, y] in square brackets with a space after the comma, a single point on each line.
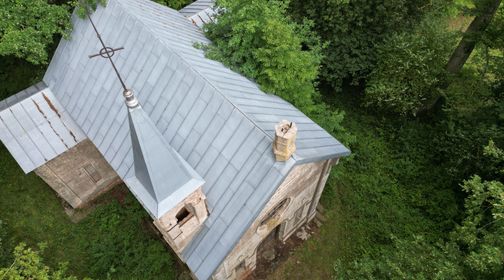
[259, 40]
[352, 29]
[28, 264]
[482, 231]
[3, 245]
[410, 68]
[484, 11]
[174, 4]
[28, 27]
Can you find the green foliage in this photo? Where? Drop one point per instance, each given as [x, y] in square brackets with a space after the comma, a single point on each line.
[17, 74]
[175, 4]
[482, 230]
[28, 264]
[84, 7]
[352, 29]
[29, 26]
[410, 67]
[120, 247]
[473, 113]
[3, 245]
[259, 40]
[413, 259]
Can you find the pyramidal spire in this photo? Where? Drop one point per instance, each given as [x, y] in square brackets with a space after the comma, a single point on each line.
[162, 177]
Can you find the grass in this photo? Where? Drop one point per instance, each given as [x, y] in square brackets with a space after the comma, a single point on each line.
[112, 240]
[386, 188]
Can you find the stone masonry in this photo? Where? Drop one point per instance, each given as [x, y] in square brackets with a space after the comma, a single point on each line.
[293, 205]
[79, 175]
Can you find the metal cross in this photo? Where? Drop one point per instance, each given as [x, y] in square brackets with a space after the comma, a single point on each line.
[107, 52]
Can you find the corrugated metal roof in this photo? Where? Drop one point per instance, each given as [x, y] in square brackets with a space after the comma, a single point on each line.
[217, 120]
[35, 128]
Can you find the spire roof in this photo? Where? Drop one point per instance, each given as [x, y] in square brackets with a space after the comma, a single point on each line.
[162, 178]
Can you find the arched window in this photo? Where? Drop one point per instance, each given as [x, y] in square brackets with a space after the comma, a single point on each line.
[276, 211]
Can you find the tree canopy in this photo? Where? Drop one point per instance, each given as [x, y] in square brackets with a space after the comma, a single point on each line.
[29, 26]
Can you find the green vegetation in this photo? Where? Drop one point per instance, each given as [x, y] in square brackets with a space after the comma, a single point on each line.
[396, 207]
[422, 196]
[24, 34]
[410, 67]
[114, 240]
[28, 264]
[175, 4]
[352, 28]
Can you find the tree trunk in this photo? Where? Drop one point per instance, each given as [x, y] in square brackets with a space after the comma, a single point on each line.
[472, 35]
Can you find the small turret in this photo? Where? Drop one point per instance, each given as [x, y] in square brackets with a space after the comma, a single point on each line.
[164, 182]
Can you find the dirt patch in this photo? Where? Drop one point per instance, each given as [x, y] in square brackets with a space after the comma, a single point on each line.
[274, 252]
[117, 193]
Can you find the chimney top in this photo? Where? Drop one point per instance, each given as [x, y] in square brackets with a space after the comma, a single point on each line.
[285, 140]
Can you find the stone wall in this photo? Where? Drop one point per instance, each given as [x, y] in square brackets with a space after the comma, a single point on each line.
[179, 225]
[79, 175]
[291, 206]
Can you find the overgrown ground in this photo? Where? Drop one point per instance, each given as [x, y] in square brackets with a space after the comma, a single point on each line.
[369, 196]
[115, 239]
[387, 189]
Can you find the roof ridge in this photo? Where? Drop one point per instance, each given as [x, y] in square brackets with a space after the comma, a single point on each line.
[154, 34]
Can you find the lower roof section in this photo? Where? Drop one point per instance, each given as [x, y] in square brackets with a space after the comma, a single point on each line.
[35, 128]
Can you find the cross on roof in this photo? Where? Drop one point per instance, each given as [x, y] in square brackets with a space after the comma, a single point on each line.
[107, 52]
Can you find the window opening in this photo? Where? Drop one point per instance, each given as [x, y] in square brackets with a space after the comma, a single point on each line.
[183, 216]
[92, 172]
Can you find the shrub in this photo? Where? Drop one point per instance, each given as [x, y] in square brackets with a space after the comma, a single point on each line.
[30, 27]
[410, 65]
[257, 39]
[352, 29]
[3, 245]
[28, 264]
[175, 4]
[409, 258]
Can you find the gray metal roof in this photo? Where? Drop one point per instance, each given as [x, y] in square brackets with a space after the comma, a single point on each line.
[35, 128]
[162, 178]
[196, 7]
[221, 123]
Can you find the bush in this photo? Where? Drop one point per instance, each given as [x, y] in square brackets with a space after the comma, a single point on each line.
[175, 4]
[28, 264]
[481, 233]
[3, 246]
[410, 65]
[412, 258]
[119, 248]
[472, 115]
[352, 29]
[257, 39]
[30, 28]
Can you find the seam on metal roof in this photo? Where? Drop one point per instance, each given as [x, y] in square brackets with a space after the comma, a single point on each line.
[155, 35]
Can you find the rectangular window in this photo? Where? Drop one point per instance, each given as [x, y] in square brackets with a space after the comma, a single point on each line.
[92, 172]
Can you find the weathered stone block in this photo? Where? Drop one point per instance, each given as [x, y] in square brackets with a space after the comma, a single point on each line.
[79, 175]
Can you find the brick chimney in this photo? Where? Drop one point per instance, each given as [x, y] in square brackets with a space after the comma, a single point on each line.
[285, 140]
